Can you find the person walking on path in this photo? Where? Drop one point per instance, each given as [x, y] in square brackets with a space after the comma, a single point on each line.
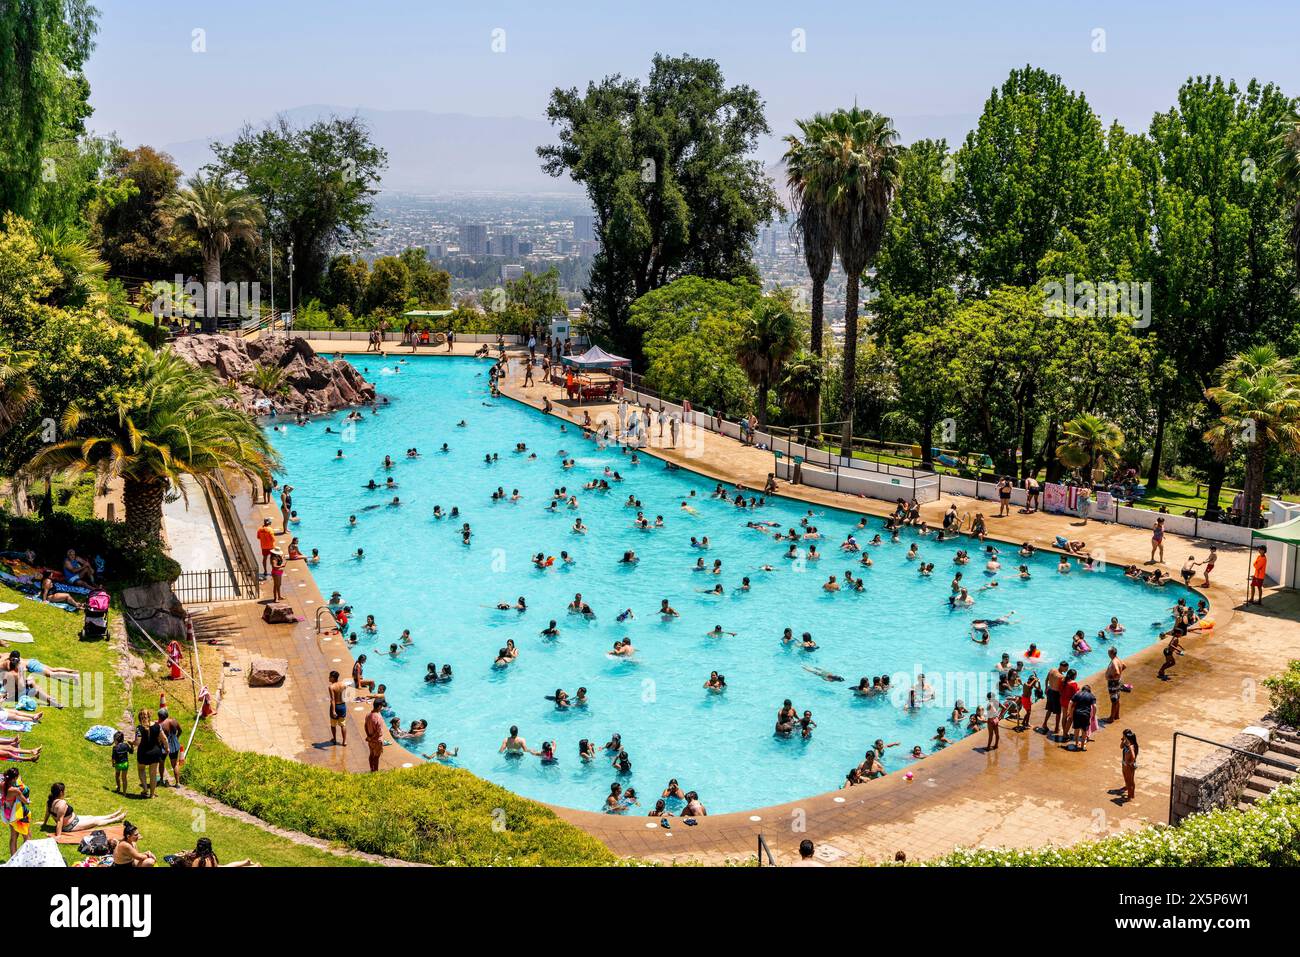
[375, 733]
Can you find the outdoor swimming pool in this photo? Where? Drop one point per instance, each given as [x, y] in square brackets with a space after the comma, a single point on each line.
[417, 574]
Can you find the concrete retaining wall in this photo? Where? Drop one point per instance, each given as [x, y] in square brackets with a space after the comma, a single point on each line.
[1217, 780]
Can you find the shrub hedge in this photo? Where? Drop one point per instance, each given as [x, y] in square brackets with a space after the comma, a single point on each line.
[1267, 835]
[1284, 694]
[429, 814]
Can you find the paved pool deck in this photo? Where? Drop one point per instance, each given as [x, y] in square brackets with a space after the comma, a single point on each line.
[1030, 792]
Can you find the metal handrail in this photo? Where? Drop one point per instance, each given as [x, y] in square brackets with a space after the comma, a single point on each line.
[1173, 761]
[764, 849]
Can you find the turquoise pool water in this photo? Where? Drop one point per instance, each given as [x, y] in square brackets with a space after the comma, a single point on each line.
[417, 575]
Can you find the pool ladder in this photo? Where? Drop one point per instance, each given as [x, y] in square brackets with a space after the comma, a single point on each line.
[323, 608]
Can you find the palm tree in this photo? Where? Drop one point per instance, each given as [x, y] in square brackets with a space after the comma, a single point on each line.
[17, 392]
[216, 215]
[812, 226]
[1286, 160]
[769, 336]
[854, 169]
[1087, 441]
[183, 423]
[1259, 397]
[800, 387]
[82, 272]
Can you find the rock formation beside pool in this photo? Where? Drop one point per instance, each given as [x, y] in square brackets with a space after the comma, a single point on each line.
[308, 383]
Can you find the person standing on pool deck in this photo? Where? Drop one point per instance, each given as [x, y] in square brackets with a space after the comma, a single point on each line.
[338, 710]
[1053, 694]
[286, 507]
[1259, 567]
[1128, 762]
[1114, 675]
[375, 733]
[1004, 497]
[266, 540]
[1158, 541]
[1082, 704]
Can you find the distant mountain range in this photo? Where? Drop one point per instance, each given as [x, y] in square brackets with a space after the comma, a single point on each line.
[456, 153]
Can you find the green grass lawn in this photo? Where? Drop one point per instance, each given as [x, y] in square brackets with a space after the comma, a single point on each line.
[169, 822]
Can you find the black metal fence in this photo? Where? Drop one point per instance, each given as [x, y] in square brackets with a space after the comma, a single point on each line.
[216, 584]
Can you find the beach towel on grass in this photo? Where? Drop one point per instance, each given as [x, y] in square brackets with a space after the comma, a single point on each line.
[113, 832]
[22, 726]
[18, 637]
[6, 606]
[101, 734]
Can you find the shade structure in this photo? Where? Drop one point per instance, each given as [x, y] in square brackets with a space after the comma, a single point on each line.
[596, 358]
[1288, 532]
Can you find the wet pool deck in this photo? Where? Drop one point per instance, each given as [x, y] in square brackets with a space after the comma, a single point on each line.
[1030, 792]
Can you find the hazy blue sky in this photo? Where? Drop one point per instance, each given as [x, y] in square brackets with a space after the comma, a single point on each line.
[917, 60]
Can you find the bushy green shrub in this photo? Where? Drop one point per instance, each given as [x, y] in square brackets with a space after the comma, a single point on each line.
[1284, 694]
[428, 814]
[127, 561]
[1266, 835]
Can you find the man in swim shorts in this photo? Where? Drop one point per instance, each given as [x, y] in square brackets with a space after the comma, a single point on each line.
[338, 710]
[266, 539]
[1114, 673]
[1259, 567]
[375, 733]
[1053, 696]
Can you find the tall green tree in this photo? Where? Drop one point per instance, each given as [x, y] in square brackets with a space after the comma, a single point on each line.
[317, 185]
[44, 95]
[854, 173]
[216, 216]
[1286, 163]
[1222, 264]
[812, 227]
[691, 329]
[1030, 169]
[129, 233]
[666, 165]
[1258, 394]
[536, 297]
[918, 255]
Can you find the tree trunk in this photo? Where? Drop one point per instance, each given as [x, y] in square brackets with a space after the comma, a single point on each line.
[1153, 474]
[762, 404]
[850, 360]
[211, 290]
[927, 443]
[818, 322]
[144, 501]
[1252, 495]
[1214, 486]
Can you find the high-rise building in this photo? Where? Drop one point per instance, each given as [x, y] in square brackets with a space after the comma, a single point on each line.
[511, 271]
[525, 247]
[584, 227]
[503, 245]
[473, 239]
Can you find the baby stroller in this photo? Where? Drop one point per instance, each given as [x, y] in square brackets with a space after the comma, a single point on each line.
[95, 627]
